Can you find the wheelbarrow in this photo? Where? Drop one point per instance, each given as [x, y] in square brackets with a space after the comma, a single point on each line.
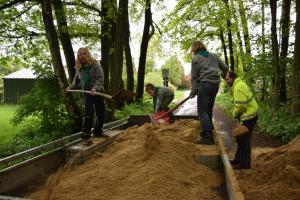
[164, 116]
[120, 96]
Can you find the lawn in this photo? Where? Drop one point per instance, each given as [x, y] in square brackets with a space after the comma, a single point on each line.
[7, 129]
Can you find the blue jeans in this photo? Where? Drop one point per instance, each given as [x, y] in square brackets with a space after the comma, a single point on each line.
[207, 93]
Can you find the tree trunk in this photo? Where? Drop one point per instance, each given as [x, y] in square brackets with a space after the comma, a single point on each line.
[296, 66]
[230, 42]
[129, 65]
[263, 89]
[64, 37]
[53, 42]
[275, 56]
[238, 35]
[285, 25]
[116, 66]
[143, 54]
[106, 31]
[223, 45]
[244, 27]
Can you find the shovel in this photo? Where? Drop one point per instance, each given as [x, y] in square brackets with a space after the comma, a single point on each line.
[163, 116]
[120, 96]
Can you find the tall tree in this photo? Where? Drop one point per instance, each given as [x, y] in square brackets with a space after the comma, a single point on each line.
[143, 53]
[263, 89]
[285, 34]
[223, 45]
[275, 56]
[106, 32]
[230, 41]
[296, 66]
[129, 65]
[244, 26]
[116, 66]
[237, 30]
[64, 37]
[59, 71]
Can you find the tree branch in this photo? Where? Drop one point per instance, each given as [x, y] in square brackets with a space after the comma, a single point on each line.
[23, 12]
[12, 3]
[84, 5]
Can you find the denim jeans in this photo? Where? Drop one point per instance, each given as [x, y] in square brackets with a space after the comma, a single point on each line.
[206, 95]
[92, 102]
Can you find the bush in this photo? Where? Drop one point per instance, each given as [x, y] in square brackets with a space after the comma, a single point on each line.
[45, 106]
[279, 124]
[145, 107]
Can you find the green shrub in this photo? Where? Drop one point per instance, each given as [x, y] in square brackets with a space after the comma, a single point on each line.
[45, 106]
[145, 107]
[279, 124]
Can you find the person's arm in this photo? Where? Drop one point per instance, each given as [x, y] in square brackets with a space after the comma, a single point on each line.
[193, 77]
[158, 100]
[223, 67]
[99, 79]
[75, 82]
[239, 103]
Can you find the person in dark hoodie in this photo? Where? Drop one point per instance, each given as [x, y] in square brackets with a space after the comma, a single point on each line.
[89, 76]
[205, 84]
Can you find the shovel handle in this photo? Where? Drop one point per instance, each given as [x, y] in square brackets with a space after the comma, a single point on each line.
[171, 110]
[96, 93]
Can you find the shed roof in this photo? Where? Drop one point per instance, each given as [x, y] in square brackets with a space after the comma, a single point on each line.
[21, 74]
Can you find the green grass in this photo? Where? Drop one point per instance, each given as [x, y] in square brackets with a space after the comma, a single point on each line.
[179, 94]
[7, 129]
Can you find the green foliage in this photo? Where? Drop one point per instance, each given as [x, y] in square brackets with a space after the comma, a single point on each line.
[45, 109]
[279, 124]
[154, 77]
[8, 130]
[144, 108]
[224, 101]
[175, 70]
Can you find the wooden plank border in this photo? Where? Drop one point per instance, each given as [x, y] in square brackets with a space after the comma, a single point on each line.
[233, 189]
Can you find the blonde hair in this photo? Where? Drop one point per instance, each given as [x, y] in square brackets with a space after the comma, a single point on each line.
[90, 60]
[196, 46]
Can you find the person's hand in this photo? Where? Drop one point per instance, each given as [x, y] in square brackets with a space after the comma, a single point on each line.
[193, 93]
[92, 92]
[101, 89]
[66, 90]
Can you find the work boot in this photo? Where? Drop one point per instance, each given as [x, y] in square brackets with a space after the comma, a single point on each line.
[205, 140]
[86, 142]
[239, 167]
[85, 135]
[234, 162]
[98, 133]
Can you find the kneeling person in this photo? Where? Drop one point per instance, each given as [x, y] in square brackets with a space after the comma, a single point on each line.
[162, 97]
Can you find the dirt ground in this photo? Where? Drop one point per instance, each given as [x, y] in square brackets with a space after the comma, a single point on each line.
[146, 163]
[275, 170]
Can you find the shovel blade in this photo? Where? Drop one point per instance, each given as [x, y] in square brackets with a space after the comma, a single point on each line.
[123, 95]
[160, 117]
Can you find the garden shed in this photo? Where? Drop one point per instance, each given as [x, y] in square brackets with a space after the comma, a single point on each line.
[17, 84]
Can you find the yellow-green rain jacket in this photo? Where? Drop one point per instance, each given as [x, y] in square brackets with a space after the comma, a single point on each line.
[245, 105]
